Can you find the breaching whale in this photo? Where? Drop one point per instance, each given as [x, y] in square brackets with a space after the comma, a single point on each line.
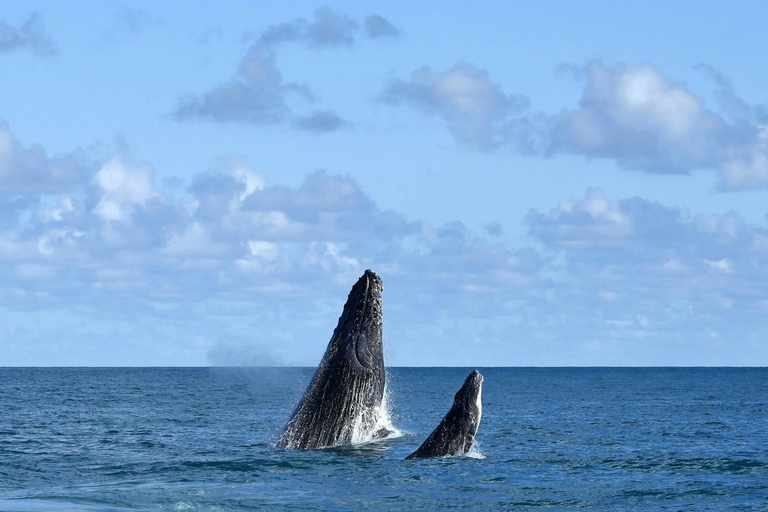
[343, 402]
[457, 430]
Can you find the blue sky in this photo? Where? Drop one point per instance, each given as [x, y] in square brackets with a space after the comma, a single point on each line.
[558, 184]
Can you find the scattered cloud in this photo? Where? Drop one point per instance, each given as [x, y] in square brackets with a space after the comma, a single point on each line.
[376, 27]
[639, 118]
[330, 28]
[327, 29]
[30, 36]
[639, 250]
[232, 232]
[137, 20]
[634, 269]
[252, 269]
[29, 170]
[630, 114]
[477, 111]
[593, 221]
[319, 121]
[645, 122]
[494, 229]
[597, 223]
[121, 189]
[233, 246]
[257, 93]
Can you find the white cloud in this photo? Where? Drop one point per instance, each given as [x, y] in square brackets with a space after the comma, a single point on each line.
[235, 233]
[722, 265]
[331, 28]
[745, 165]
[238, 260]
[646, 122]
[328, 28]
[29, 170]
[121, 189]
[674, 265]
[674, 275]
[632, 115]
[627, 113]
[593, 221]
[264, 250]
[257, 94]
[194, 243]
[376, 27]
[65, 205]
[476, 110]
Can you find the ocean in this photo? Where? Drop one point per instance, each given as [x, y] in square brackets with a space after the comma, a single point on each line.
[202, 439]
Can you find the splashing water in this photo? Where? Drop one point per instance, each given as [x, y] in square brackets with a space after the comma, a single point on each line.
[474, 451]
[378, 426]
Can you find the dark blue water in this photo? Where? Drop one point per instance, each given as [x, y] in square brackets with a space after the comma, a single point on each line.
[553, 439]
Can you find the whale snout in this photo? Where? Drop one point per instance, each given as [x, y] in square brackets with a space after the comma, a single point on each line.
[373, 280]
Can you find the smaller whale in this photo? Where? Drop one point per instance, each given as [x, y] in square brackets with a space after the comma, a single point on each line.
[457, 430]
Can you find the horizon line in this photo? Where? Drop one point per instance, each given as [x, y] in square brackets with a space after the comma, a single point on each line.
[391, 366]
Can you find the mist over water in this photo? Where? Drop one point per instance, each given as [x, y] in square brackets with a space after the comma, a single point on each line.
[202, 439]
[242, 355]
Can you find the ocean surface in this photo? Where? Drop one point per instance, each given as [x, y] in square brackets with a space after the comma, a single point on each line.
[202, 439]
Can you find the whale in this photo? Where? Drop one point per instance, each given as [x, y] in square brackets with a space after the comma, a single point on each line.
[457, 430]
[343, 402]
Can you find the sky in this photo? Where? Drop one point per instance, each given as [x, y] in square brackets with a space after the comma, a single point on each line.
[537, 184]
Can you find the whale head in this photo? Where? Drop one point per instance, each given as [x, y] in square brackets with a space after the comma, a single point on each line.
[357, 340]
[469, 397]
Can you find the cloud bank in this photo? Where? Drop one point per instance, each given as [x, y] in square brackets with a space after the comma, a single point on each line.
[648, 270]
[237, 265]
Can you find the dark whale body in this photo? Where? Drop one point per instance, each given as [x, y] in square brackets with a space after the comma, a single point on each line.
[343, 401]
[457, 430]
